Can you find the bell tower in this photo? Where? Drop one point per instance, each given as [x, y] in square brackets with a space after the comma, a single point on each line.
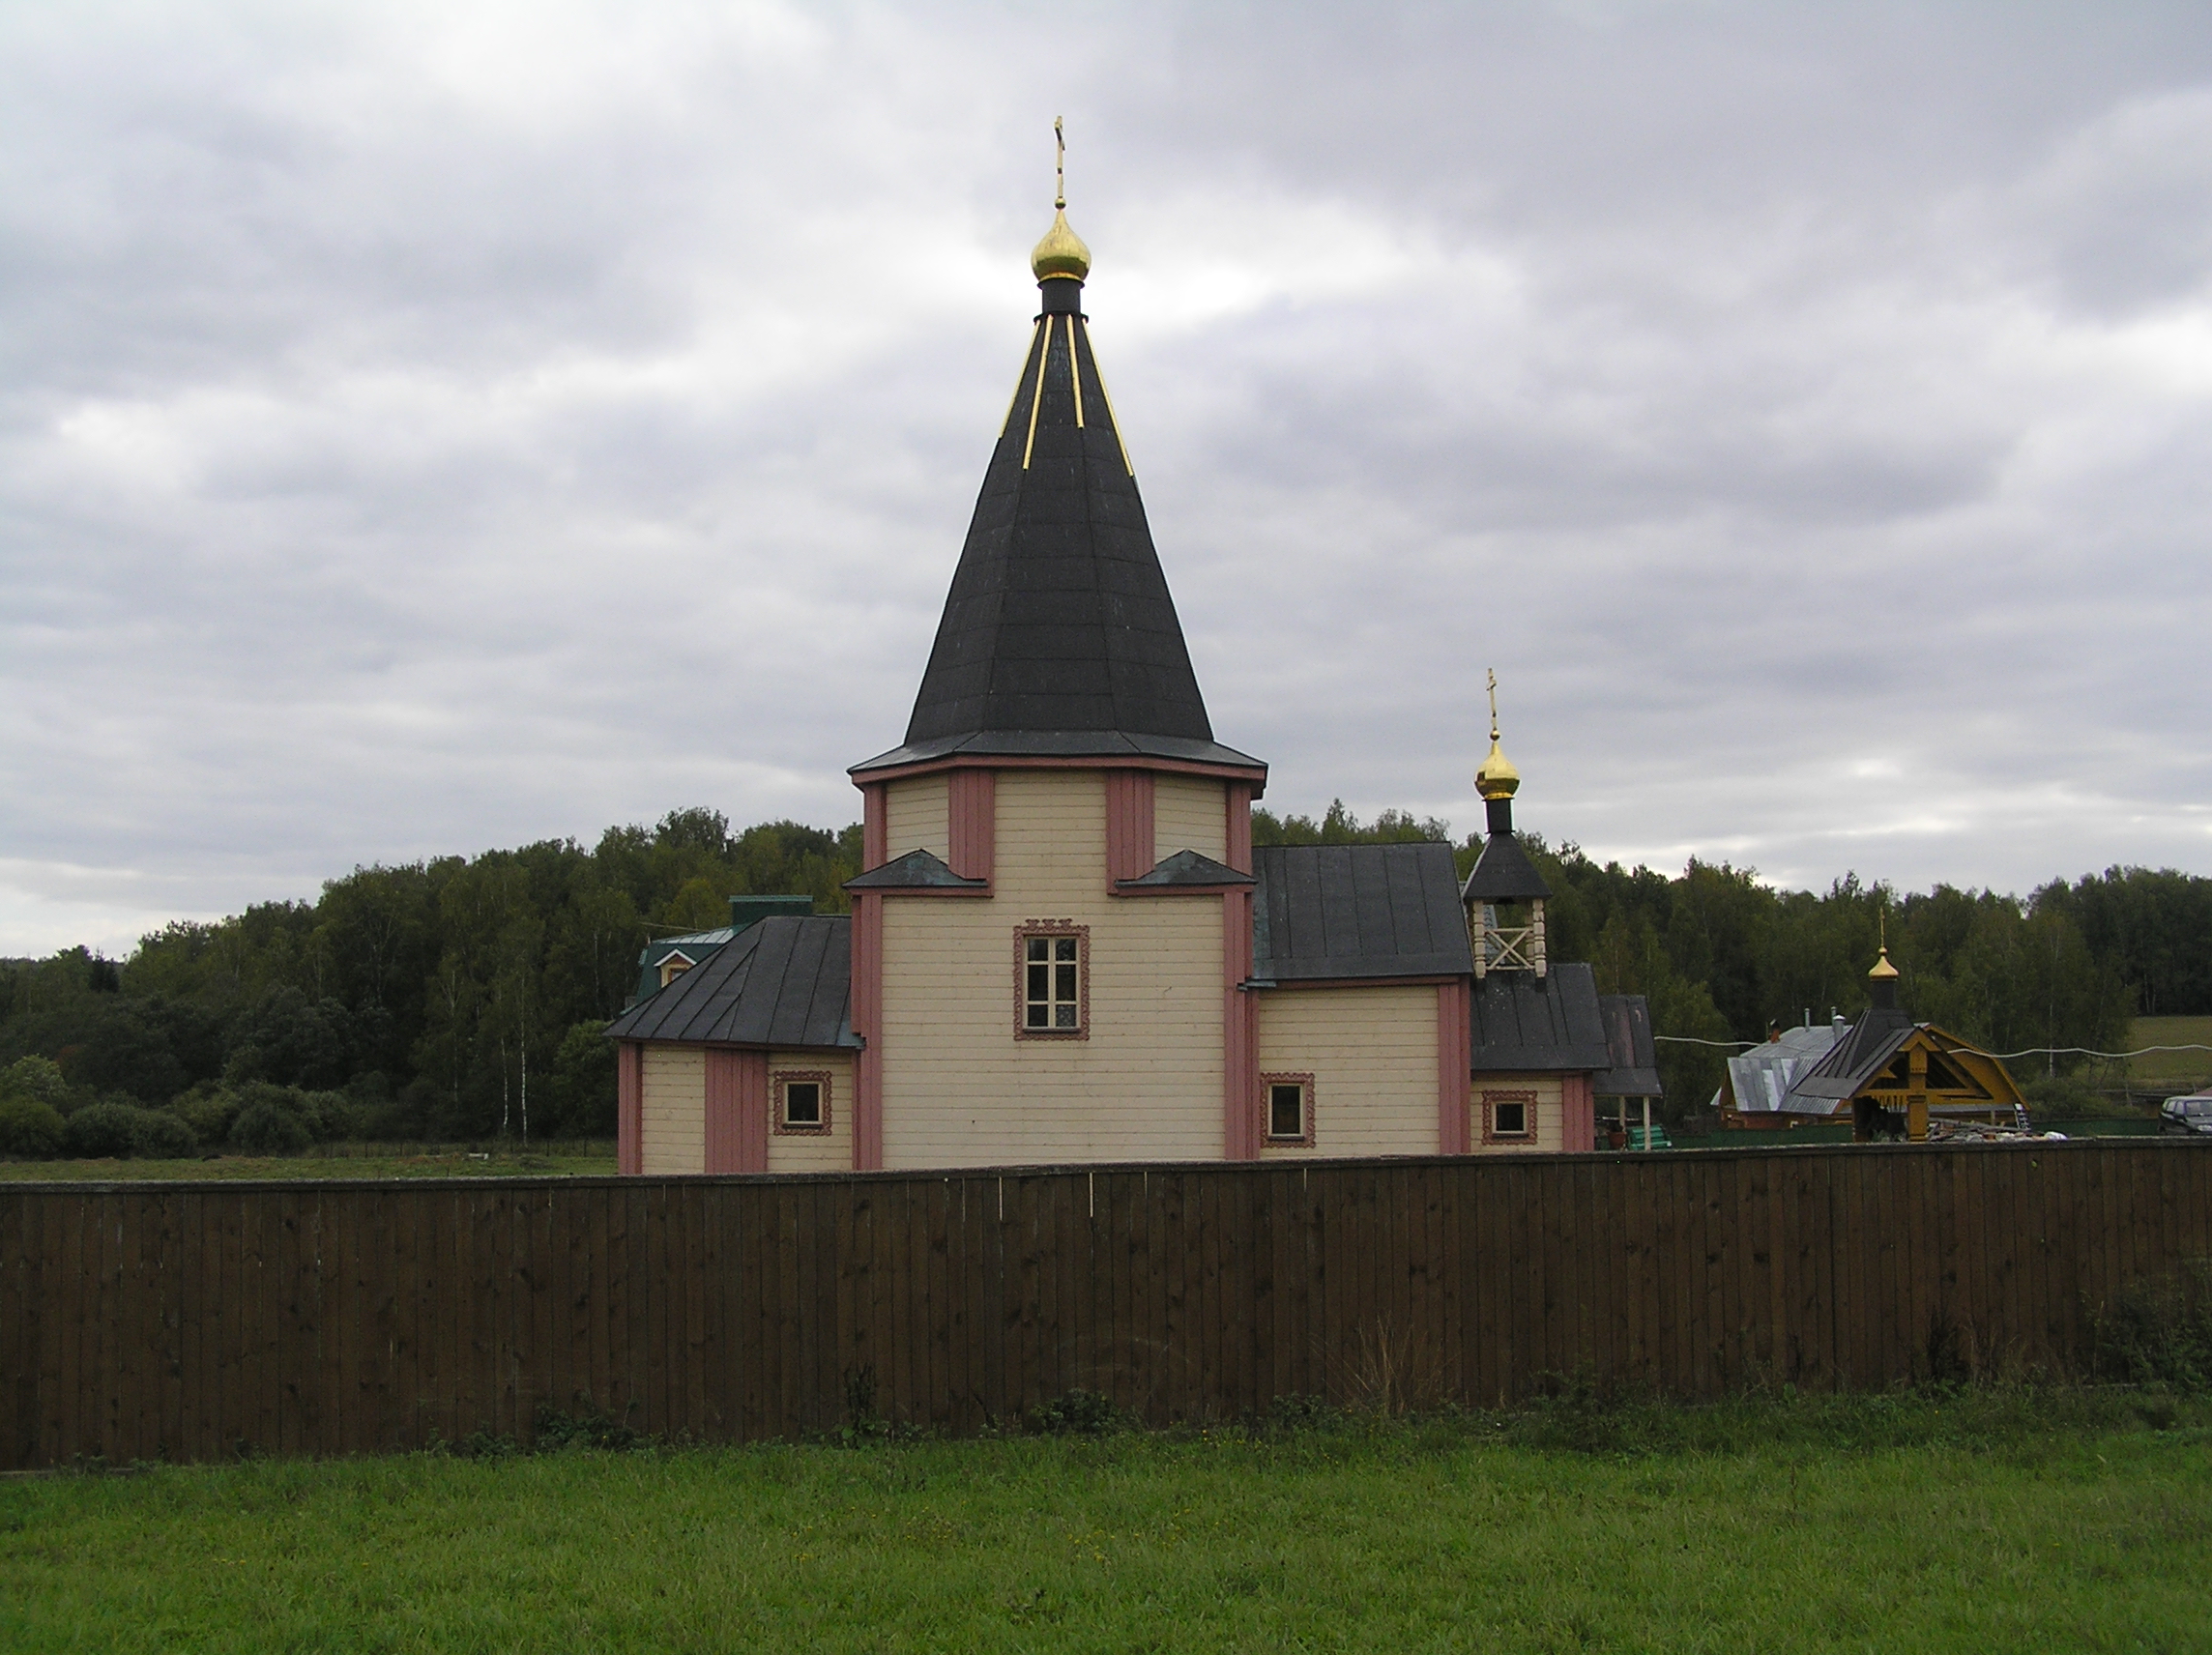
[1504, 895]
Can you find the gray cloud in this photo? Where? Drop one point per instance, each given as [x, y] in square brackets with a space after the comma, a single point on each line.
[429, 428]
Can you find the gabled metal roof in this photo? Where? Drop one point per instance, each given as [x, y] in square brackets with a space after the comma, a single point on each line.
[1761, 1078]
[1531, 1024]
[785, 981]
[1357, 911]
[1059, 636]
[1635, 1071]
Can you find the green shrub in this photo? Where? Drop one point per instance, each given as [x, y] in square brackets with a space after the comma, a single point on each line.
[210, 1111]
[121, 1130]
[329, 1115]
[266, 1127]
[29, 1130]
[40, 1079]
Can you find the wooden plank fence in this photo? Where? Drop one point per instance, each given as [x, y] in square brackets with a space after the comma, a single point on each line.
[197, 1321]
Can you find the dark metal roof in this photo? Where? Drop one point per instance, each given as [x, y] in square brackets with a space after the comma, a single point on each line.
[916, 870]
[1059, 635]
[1635, 1071]
[1527, 1024]
[1357, 911]
[786, 981]
[1504, 873]
[1863, 1053]
[1186, 868]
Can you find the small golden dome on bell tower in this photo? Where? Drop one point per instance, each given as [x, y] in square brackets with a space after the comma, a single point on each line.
[1062, 253]
[1496, 778]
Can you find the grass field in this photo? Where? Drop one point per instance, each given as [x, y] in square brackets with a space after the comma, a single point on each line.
[338, 1161]
[2168, 1072]
[2007, 1522]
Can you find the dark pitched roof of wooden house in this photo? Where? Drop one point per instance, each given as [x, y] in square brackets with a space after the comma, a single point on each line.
[785, 981]
[1058, 637]
[1357, 911]
[1524, 1024]
[1635, 1071]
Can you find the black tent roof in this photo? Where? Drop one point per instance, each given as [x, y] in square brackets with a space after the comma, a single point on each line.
[1504, 873]
[1058, 637]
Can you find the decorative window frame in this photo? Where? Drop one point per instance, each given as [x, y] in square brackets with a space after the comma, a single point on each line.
[1033, 928]
[1267, 1083]
[670, 970]
[1525, 1098]
[777, 1121]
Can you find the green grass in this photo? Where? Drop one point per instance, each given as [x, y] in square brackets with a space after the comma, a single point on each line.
[2169, 1072]
[2013, 1522]
[339, 1161]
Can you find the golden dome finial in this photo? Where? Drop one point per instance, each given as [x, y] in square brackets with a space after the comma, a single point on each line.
[1062, 253]
[1883, 968]
[1496, 778]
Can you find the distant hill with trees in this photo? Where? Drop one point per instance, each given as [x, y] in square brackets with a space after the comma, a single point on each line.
[463, 998]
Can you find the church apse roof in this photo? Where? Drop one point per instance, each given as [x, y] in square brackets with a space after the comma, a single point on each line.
[1058, 637]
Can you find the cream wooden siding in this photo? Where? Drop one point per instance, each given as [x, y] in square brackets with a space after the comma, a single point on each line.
[918, 815]
[673, 1125]
[1372, 1052]
[959, 1089]
[1190, 813]
[830, 1152]
[1548, 1114]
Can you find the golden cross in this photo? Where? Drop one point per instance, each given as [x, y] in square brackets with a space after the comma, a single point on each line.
[1493, 704]
[1058, 165]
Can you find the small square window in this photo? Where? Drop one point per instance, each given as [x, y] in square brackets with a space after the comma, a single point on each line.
[1508, 1116]
[1289, 1103]
[801, 1101]
[1053, 981]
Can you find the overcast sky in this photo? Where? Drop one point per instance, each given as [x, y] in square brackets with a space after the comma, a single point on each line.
[426, 428]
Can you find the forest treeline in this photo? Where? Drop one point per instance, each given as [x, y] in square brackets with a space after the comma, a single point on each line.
[463, 998]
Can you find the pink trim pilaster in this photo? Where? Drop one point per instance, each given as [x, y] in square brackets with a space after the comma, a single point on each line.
[629, 1107]
[867, 1024]
[1130, 827]
[1239, 838]
[1455, 1058]
[736, 1111]
[1579, 1107]
[875, 828]
[1239, 1034]
[973, 800]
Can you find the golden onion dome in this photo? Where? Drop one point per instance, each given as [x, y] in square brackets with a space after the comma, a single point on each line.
[1496, 778]
[1883, 968]
[1061, 252]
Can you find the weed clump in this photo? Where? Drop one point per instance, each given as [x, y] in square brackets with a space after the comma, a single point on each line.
[2160, 1333]
[1077, 1414]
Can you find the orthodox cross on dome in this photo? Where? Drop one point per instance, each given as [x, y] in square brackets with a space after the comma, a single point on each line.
[1059, 167]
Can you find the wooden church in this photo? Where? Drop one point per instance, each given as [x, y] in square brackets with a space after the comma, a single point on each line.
[1065, 947]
